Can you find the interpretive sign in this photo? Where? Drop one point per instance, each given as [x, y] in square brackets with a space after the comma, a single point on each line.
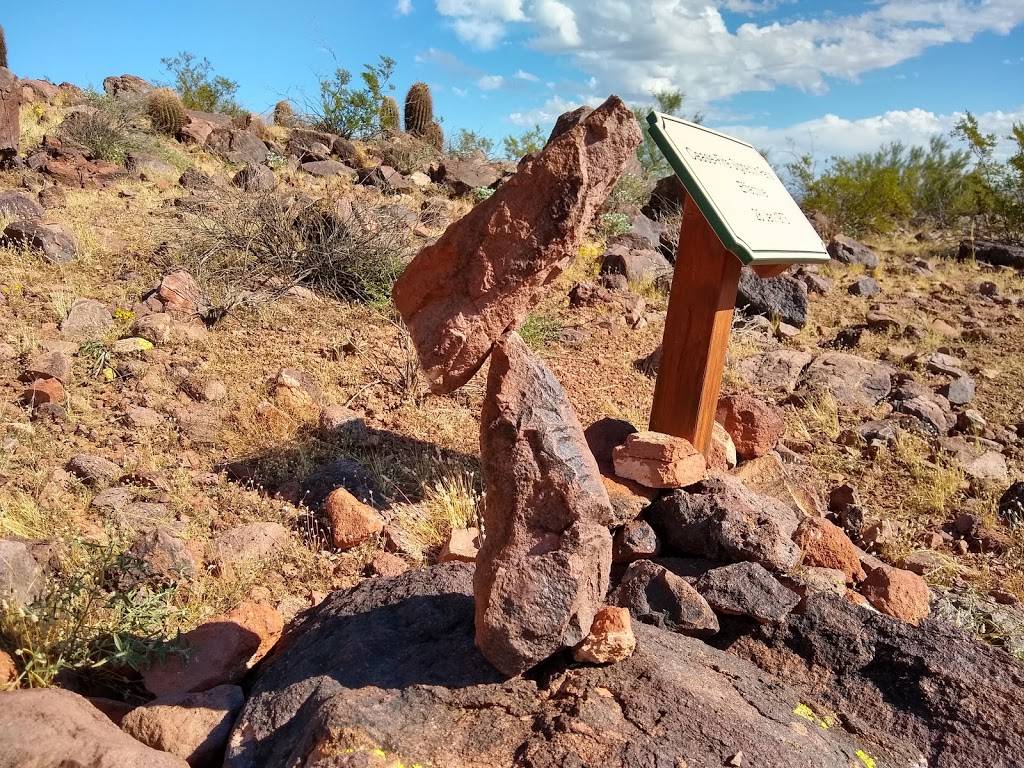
[736, 210]
[739, 194]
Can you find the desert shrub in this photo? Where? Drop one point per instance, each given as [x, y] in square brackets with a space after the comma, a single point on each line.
[994, 190]
[482, 193]
[85, 621]
[351, 112]
[199, 87]
[614, 224]
[539, 329]
[518, 147]
[631, 190]
[470, 143]
[651, 159]
[249, 249]
[407, 154]
[111, 131]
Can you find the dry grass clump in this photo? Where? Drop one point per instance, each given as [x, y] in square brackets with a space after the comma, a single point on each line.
[249, 249]
[450, 500]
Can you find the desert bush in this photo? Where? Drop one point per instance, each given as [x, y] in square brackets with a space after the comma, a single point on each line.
[631, 191]
[199, 87]
[84, 621]
[470, 143]
[407, 154]
[249, 249]
[112, 130]
[284, 115]
[614, 224]
[435, 136]
[651, 159]
[350, 112]
[994, 190]
[518, 147]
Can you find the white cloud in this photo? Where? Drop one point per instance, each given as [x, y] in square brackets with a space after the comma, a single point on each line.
[527, 76]
[545, 115]
[460, 92]
[403, 7]
[637, 47]
[833, 135]
[490, 82]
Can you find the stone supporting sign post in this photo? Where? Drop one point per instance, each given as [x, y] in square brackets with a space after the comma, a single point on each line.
[736, 213]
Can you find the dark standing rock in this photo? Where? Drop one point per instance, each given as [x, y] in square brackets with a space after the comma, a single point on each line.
[849, 251]
[14, 205]
[543, 569]
[388, 180]
[747, 589]
[10, 115]
[1000, 254]
[52, 727]
[196, 179]
[726, 521]
[126, 86]
[637, 266]
[1011, 504]
[255, 178]
[655, 595]
[666, 199]
[57, 246]
[459, 295]
[569, 120]
[443, 705]
[783, 297]
[636, 540]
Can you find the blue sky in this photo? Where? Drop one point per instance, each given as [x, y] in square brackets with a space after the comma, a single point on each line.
[836, 77]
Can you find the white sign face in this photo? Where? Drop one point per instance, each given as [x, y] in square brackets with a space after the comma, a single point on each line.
[739, 194]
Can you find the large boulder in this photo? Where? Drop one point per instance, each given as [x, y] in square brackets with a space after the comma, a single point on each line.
[459, 295]
[386, 673]
[850, 251]
[21, 578]
[51, 727]
[15, 205]
[990, 252]
[851, 380]
[543, 569]
[956, 699]
[126, 86]
[237, 146]
[49, 238]
[463, 176]
[783, 297]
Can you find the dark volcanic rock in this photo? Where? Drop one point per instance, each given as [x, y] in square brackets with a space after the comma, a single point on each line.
[655, 595]
[784, 297]
[57, 246]
[1000, 254]
[955, 698]
[459, 295]
[543, 569]
[747, 589]
[850, 251]
[425, 695]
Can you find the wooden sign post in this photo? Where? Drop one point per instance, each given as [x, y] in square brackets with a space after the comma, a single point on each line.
[736, 212]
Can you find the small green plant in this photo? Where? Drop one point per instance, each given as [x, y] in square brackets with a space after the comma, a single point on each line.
[518, 147]
[350, 112]
[82, 621]
[419, 110]
[614, 224]
[482, 193]
[98, 355]
[166, 111]
[390, 119]
[199, 87]
[539, 329]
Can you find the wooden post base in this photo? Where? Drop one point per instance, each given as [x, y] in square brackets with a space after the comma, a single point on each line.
[697, 330]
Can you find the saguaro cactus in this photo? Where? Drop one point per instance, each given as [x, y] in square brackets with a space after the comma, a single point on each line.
[419, 110]
[3, 49]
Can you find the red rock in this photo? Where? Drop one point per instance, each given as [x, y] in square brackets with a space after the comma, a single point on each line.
[901, 594]
[657, 460]
[46, 728]
[179, 292]
[754, 425]
[463, 544]
[192, 726]
[352, 521]
[43, 391]
[544, 566]
[825, 545]
[8, 670]
[219, 651]
[459, 295]
[611, 638]
[387, 565]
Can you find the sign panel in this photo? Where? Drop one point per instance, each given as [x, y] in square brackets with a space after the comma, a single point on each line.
[739, 194]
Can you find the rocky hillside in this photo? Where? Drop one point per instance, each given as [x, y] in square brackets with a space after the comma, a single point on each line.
[241, 493]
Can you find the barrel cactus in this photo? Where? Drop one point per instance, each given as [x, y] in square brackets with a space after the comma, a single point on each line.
[389, 115]
[166, 111]
[419, 110]
[435, 136]
[284, 115]
[3, 49]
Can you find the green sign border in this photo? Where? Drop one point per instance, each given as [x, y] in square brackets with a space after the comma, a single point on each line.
[707, 206]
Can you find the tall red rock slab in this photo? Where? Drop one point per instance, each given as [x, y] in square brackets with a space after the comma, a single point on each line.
[459, 295]
[543, 569]
[53, 727]
[10, 107]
